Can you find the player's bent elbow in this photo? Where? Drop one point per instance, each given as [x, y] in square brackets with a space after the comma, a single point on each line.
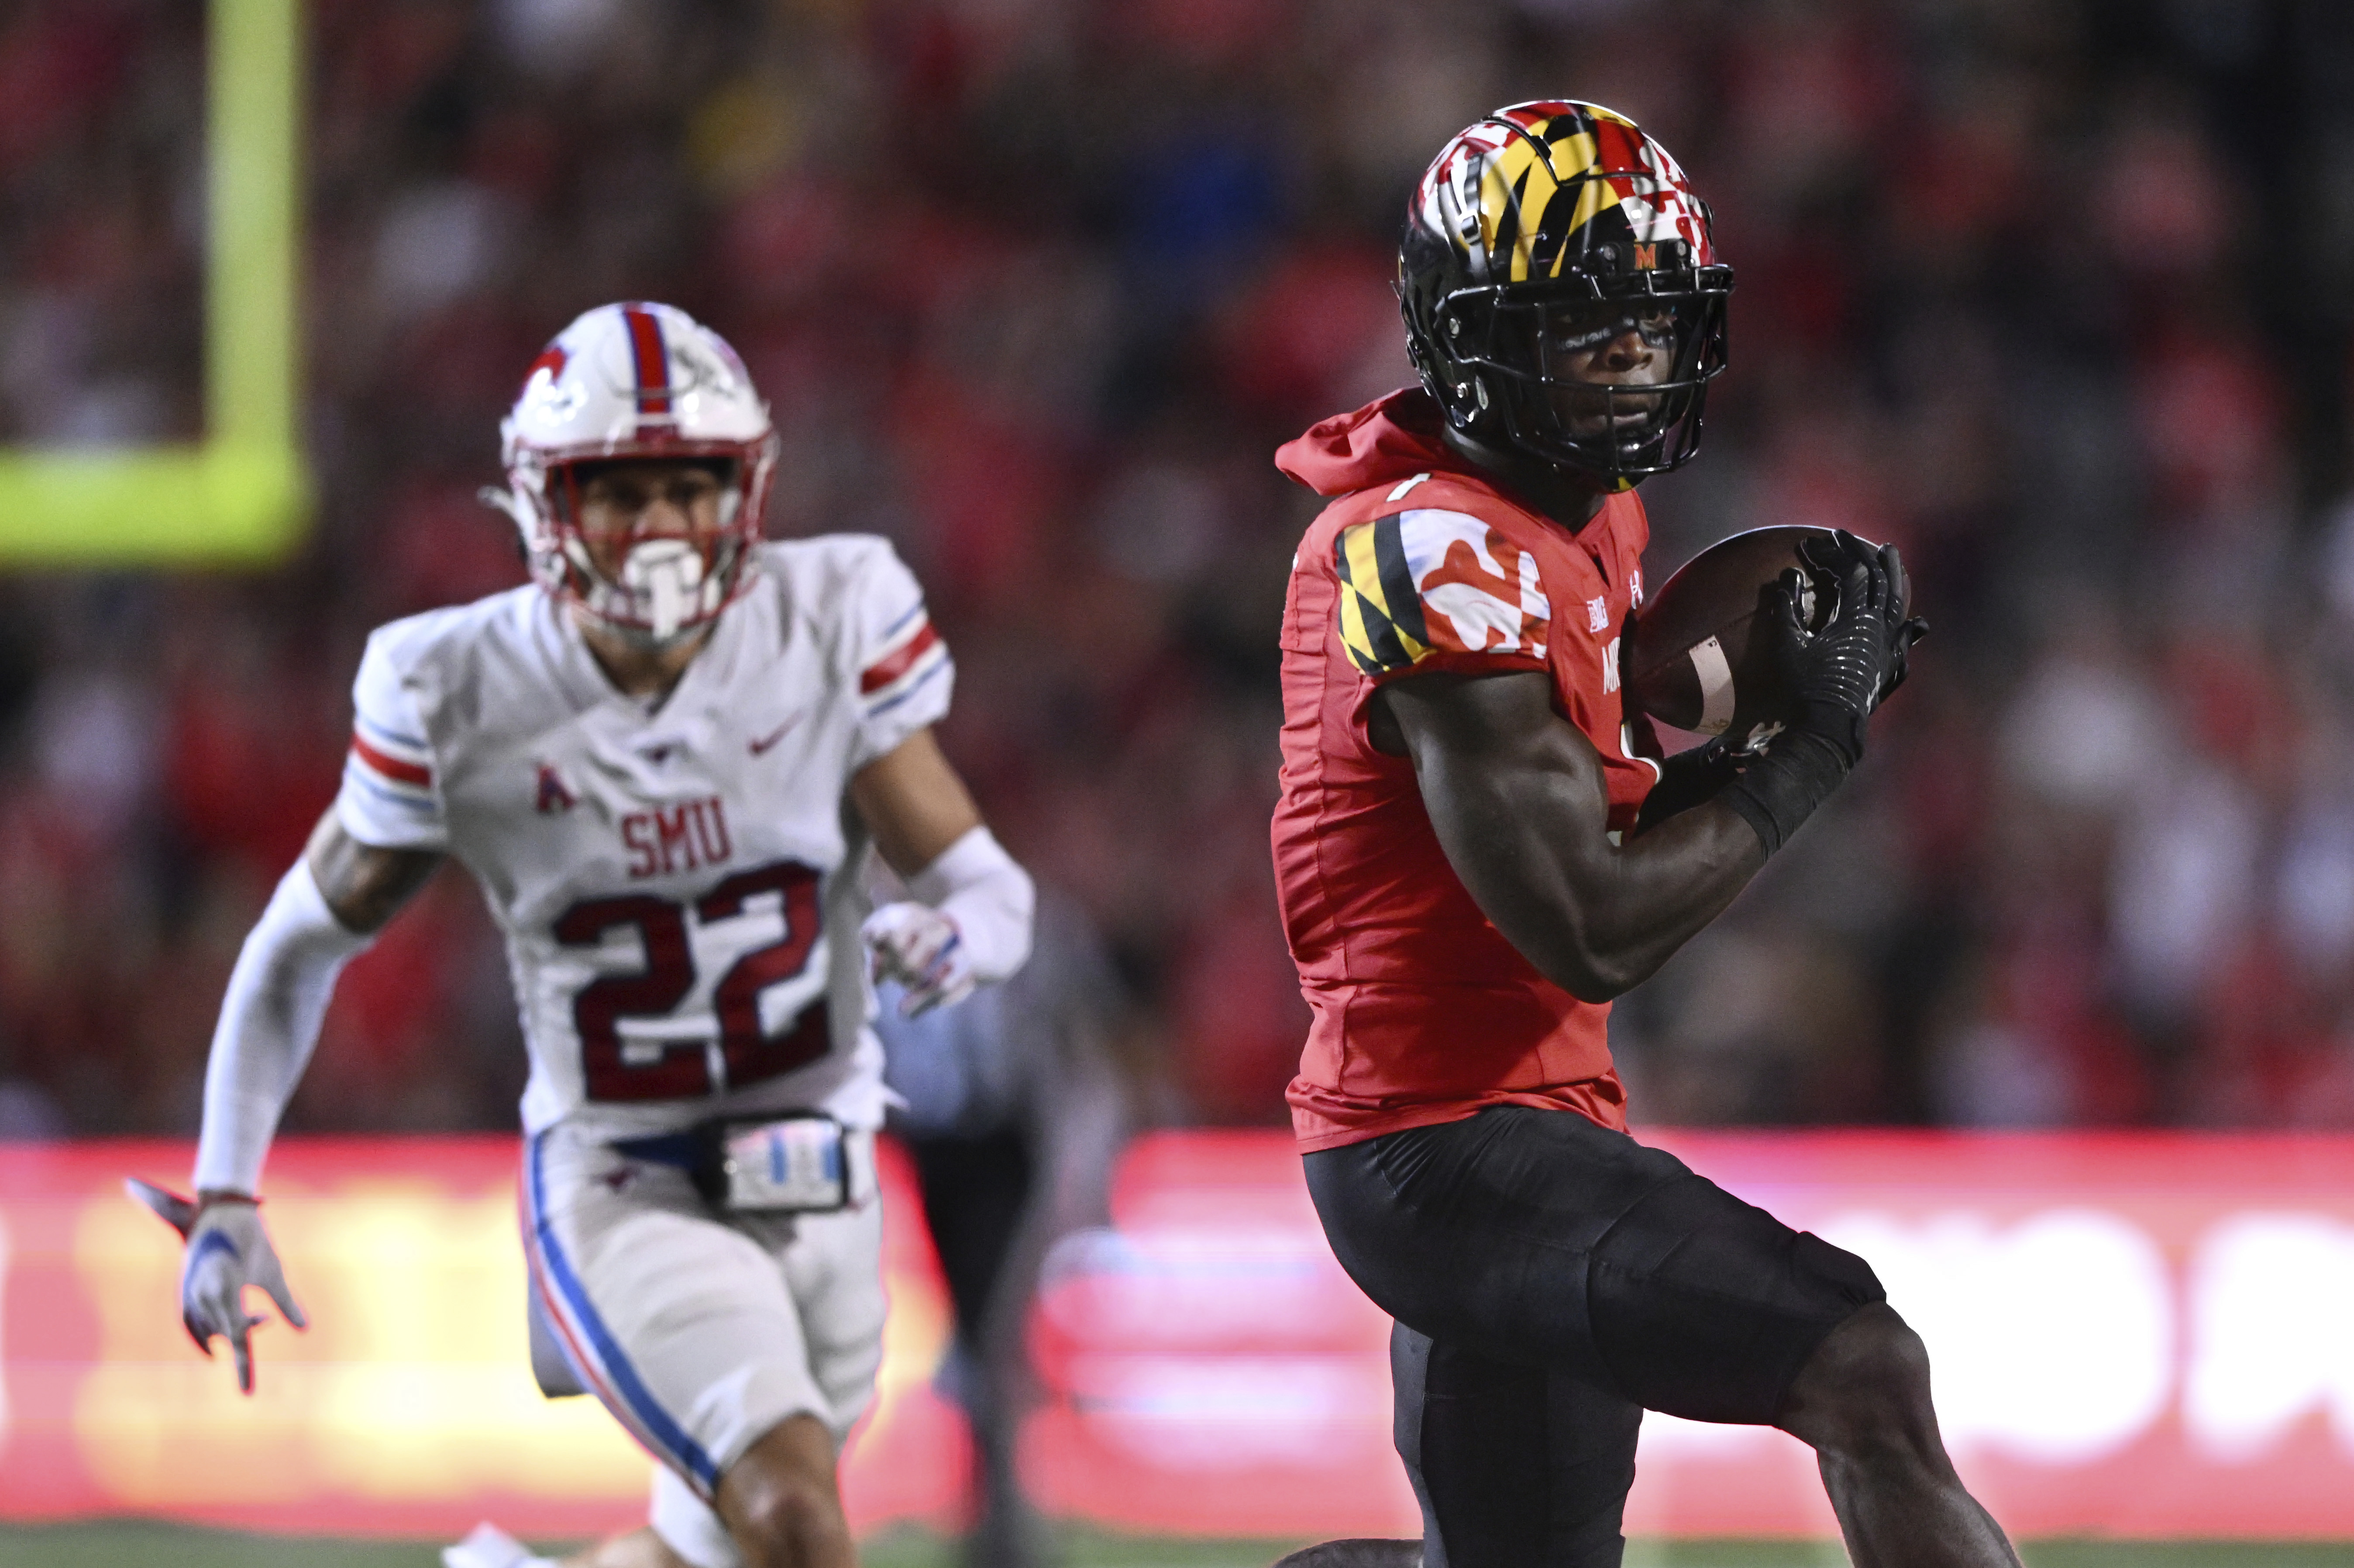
[1594, 988]
[1562, 924]
[1594, 977]
[1600, 967]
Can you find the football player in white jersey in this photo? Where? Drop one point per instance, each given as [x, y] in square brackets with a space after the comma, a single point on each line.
[663, 762]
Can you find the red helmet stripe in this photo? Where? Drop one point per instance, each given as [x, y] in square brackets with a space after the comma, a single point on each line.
[651, 360]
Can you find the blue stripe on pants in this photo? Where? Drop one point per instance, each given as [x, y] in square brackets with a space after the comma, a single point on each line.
[682, 1451]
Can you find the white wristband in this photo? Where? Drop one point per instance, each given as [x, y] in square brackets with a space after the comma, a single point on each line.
[976, 883]
[270, 1020]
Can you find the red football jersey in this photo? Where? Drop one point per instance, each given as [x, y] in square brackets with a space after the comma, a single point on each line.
[1423, 1012]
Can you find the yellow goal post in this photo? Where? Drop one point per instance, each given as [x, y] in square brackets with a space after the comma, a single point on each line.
[239, 496]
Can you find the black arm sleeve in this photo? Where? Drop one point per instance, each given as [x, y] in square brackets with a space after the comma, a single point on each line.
[1686, 779]
[1776, 791]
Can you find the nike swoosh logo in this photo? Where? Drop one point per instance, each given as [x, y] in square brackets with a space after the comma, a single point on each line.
[774, 735]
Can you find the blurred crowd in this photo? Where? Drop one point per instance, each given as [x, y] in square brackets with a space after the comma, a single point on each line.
[2055, 294]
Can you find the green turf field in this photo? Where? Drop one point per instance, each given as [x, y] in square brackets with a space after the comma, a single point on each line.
[115, 1544]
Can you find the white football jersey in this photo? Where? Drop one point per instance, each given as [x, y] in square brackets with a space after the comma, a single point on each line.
[679, 883]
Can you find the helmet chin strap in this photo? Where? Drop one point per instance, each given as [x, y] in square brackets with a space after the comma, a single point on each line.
[666, 572]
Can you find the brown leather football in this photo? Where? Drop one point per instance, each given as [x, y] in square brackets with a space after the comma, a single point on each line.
[1698, 656]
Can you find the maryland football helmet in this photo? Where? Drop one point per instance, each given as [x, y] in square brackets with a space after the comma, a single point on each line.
[1540, 234]
[637, 381]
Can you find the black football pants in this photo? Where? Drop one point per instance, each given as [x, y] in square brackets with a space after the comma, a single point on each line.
[1551, 1280]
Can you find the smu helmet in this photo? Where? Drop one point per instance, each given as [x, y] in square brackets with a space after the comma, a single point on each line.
[635, 381]
[1547, 228]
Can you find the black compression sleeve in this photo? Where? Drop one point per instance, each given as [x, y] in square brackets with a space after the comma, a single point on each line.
[1777, 792]
[1686, 779]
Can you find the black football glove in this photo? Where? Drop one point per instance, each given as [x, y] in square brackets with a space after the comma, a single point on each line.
[1835, 677]
[1906, 628]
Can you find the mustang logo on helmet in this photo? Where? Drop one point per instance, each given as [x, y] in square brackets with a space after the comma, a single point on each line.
[637, 381]
[1542, 229]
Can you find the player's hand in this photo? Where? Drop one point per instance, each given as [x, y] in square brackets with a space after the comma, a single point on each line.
[1907, 628]
[1837, 676]
[227, 1250]
[921, 948]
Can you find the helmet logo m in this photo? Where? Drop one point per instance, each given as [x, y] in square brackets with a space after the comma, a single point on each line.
[1647, 257]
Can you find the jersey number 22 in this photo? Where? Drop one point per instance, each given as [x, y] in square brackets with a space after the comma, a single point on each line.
[683, 1070]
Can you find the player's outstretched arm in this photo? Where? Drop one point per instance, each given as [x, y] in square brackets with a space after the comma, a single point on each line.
[969, 924]
[324, 910]
[1521, 807]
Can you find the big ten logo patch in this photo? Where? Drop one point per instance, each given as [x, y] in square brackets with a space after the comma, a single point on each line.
[685, 837]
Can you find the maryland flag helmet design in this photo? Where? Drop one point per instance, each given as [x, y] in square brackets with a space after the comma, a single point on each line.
[1562, 294]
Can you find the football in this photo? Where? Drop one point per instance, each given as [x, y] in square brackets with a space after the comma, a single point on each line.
[1698, 655]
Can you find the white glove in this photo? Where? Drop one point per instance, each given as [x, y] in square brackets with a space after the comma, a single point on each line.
[227, 1250]
[921, 948]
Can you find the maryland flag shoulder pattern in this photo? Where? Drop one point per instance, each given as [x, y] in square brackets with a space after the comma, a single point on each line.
[1420, 585]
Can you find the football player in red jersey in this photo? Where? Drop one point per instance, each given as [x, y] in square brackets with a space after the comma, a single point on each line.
[1474, 856]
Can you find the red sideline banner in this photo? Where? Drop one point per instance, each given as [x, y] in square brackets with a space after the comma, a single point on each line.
[2135, 1335]
[409, 1407]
